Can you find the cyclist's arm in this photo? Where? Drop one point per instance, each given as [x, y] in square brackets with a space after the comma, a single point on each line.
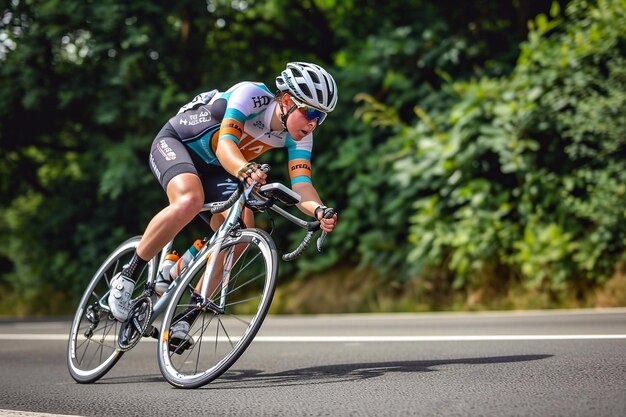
[232, 127]
[300, 174]
[227, 150]
[230, 156]
[309, 198]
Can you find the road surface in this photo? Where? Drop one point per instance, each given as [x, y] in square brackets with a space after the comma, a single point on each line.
[558, 363]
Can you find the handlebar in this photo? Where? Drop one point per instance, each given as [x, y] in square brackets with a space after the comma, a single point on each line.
[260, 202]
[311, 227]
[225, 205]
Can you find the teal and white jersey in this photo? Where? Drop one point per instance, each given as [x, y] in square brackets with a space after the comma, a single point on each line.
[243, 115]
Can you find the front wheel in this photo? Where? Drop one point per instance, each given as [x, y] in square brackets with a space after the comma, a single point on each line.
[222, 325]
[93, 345]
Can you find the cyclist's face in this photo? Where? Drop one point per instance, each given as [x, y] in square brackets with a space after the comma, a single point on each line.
[298, 124]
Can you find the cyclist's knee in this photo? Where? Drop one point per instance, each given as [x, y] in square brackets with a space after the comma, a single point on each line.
[188, 205]
[186, 195]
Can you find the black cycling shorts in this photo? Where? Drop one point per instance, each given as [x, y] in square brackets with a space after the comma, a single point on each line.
[170, 157]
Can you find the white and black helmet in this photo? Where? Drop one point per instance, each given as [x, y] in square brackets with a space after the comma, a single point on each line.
[310, 84]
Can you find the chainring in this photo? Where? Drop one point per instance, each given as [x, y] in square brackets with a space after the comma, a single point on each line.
[135, 326]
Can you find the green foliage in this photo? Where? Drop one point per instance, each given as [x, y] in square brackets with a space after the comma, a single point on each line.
[455, 152]
[524, 171]
[388, 72]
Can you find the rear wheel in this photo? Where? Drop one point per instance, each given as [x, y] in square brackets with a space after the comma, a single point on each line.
[225, 323]
[93, 345]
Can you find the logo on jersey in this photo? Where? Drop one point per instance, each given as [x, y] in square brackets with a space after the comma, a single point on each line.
[235, 126]
[167, 152]
[202, 116]
[254, 146]
[155, 168]
[301, 166]
[272, 134]
[261, 101]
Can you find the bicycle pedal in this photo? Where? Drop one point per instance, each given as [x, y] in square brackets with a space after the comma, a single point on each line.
[178, 346]
[179, 350]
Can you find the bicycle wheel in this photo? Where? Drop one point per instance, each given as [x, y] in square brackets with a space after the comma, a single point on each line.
[93, 345]
[225, 324]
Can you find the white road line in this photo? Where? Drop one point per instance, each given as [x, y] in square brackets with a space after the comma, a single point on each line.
[452, 338]
[366, 339]
[16, 413]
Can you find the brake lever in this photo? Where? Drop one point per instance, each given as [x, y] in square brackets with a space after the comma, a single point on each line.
[320, 240]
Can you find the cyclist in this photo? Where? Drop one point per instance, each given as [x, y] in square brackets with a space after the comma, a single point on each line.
[201, 153]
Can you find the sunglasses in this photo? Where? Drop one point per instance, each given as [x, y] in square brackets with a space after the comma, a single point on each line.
[311, 113]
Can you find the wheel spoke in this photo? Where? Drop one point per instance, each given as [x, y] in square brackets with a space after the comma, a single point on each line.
[248, 282]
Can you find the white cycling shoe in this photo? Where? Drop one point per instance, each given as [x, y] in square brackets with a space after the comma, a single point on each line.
[119, 298]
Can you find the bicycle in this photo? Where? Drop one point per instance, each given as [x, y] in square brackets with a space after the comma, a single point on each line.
[233, 277]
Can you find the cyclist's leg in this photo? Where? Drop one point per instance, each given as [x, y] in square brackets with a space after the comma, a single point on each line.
[185, 196]
[171, 163]
[174, 168]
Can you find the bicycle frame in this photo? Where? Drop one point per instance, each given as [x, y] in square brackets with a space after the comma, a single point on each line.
[214, 245]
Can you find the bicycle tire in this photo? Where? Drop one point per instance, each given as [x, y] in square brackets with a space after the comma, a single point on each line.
[92, 348]
[221, 337]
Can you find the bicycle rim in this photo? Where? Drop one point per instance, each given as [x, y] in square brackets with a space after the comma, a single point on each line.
[220, 336]
[93, 344]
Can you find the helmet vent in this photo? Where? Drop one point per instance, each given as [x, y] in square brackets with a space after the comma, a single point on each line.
[314, 77]
[305, 90]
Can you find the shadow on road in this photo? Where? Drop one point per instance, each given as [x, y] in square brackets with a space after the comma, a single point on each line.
[328, 374]
[349, 372]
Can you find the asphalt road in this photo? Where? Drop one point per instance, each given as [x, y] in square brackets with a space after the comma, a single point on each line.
[484, 364]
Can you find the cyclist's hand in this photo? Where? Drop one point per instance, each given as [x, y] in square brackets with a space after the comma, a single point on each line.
[259, 176]
[327, 224]
[254, 173]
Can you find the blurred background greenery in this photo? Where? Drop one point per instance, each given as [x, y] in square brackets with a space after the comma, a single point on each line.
[477, 153]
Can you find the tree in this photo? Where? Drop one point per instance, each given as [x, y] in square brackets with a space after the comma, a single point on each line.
[520, 179]
[85, 86]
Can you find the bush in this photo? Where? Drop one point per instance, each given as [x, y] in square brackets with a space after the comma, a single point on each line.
[524, 176]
